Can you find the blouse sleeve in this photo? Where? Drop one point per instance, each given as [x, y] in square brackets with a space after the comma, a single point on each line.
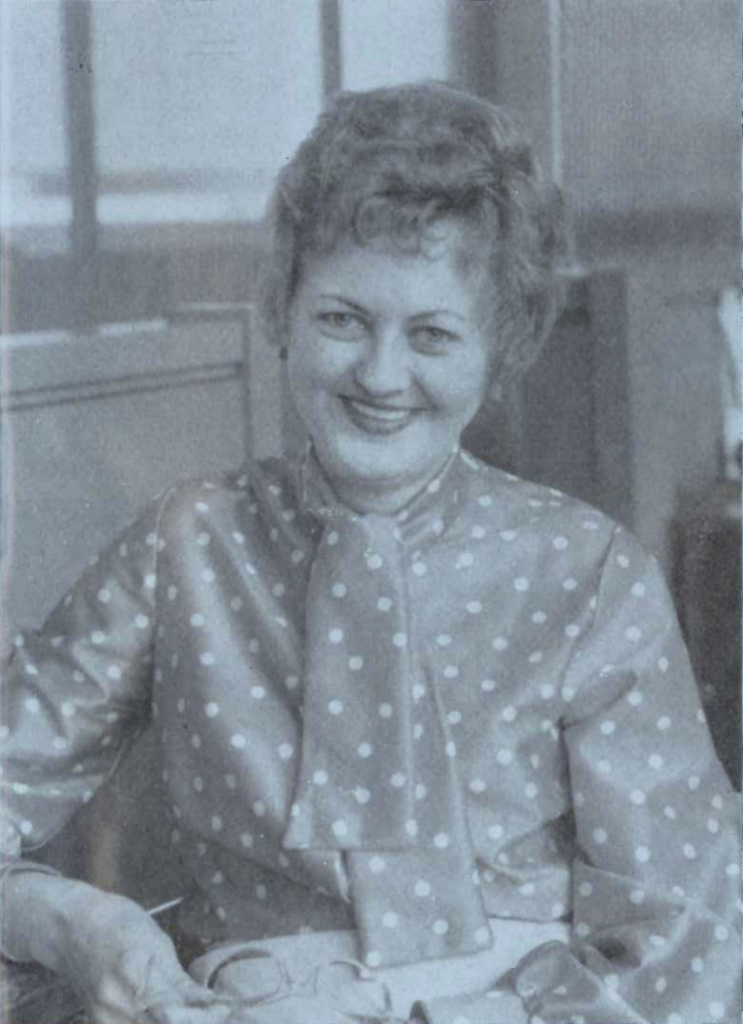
[656, 909]
[76, 692]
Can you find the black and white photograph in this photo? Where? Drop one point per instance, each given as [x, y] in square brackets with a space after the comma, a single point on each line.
[370, 551]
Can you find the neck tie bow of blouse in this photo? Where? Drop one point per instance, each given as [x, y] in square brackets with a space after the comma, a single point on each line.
[377, 778]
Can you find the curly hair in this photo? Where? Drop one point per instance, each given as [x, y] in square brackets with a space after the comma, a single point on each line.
[390, 164]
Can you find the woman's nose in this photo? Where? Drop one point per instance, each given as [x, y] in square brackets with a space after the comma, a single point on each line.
[383, 367]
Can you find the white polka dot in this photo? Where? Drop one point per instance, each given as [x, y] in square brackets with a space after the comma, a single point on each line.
[454, 717]
[547, 691]
[141, 622]
[507, 535]
[713, 825]
[488, 685]
[689, 852]
[478, 532]
[465, 560]
[477, 786]
[238, 741]
[637, 797]
[560, 543]
[539, 618]
[400, 640]
[440, 926]
[500, 643]
[420, 568]
[216, 823]
[637, 896]
[257, 692]
[661, 985]
[377, 865]
[441, 840]
[716, 1010]
[361, 795]
[211, 709]
[26, 827]
[196, 741]
[521, 584]
[582, 930]
[443, 640]
[385, 710]
[697, 965]
[638, 589]
[635, 698]
[572, 631]
[642, 854]
[694, 782]
[608, 727]
[663, 723]
[207, 658]
[104, 596]
[655, 761]
[32, 705]
[397, 780]
[531, 790]
[113, 672]
[451, 749]
[208, 575]
[534, 659]
[384, 604]
[340, 828]
[473, 607]
[482, 936]
[373, 958]
[600, 836]
[569, 584]
[98, 637]
[335, 707]
[663, 664]
[585, 889]
[504, 757]
[633, 633]
[374, 562]
[451, 672]
[259, 809]
[390, 919]
[335, 636]
[495, 831]
[418, 731]
[286, 750]
[197, 620]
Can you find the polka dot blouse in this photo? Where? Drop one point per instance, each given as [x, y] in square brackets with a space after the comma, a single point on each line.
[581, 756]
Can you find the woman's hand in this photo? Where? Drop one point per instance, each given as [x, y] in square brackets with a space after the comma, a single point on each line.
[121, 963]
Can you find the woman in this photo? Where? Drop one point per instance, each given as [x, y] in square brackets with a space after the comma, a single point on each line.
[397, 692]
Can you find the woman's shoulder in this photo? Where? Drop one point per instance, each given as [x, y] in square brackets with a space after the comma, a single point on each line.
[526, 505]
[217, 491]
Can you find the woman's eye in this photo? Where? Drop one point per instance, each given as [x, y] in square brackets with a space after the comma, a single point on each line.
[433, 338]
[340, 322]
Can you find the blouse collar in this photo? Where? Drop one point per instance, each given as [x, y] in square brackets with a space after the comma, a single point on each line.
[426, 516]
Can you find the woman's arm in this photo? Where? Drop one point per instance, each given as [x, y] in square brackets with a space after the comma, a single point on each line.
[656, 911]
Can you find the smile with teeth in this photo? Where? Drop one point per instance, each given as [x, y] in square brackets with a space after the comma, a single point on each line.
[383, 412]
[384, 416]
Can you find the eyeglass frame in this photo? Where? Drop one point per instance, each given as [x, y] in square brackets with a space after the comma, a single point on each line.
[289, 986]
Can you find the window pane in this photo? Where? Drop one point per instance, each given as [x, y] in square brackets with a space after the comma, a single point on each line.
[198, 103]
[34, 160]
[389, 41]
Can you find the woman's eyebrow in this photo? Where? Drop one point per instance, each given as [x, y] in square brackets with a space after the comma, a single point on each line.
[341, 298]
[438, 312]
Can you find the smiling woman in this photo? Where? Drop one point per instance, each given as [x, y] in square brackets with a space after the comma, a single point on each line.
[439, 714]
[388, 362]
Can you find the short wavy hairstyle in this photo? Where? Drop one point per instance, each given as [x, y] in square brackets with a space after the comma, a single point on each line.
[391, 163]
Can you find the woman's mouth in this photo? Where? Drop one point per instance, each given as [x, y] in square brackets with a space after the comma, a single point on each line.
[377, 418]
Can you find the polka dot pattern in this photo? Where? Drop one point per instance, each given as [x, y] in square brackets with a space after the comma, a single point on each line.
[566, 649]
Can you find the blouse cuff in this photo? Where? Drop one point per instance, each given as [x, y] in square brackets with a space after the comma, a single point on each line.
[8, 867]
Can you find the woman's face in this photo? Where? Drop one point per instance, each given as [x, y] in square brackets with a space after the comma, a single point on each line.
[388, 362]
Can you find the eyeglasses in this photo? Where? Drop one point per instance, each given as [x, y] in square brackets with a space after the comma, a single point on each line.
[350, 987]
